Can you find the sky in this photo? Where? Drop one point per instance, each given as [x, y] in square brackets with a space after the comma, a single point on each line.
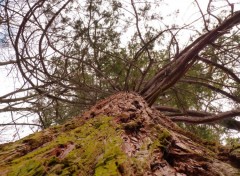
[187, 13]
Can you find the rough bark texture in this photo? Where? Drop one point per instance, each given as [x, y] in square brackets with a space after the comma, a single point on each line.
[120, 135]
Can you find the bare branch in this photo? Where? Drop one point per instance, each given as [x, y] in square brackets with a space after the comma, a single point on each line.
[213, 88]
[207, 119]
[22, 124]
[226, 70]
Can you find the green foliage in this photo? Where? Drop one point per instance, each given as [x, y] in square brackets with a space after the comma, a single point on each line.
[206, 132]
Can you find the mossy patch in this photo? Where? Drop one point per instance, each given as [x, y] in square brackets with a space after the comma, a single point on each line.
[162, 138]
[111, 160]
[95, 149]
[30, 168]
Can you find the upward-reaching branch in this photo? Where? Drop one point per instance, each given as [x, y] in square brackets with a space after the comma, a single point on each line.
[173, 71]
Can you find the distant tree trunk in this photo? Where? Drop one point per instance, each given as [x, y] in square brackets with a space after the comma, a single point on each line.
[120, 135]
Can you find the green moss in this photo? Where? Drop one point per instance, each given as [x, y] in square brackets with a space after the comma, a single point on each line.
[29, 168]
[69, 126]
[52, 161]
[93, 148]
[162, 139]
[98, 141]
[111, 160]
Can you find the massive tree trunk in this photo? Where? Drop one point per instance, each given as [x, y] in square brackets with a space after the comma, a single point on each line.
[120, 135]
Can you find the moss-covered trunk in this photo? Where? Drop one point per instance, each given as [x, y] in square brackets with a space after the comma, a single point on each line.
[120, 135]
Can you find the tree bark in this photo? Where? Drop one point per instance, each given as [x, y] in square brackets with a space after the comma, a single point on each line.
[120, 135]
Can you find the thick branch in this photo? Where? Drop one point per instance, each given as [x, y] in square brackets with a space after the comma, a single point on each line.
[207, 119]
[179, 116]
[170, 111]
[173, 71]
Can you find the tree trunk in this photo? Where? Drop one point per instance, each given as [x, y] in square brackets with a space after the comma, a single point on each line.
[120, 135]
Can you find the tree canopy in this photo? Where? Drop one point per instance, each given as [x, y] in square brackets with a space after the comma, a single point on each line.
[67, 54]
